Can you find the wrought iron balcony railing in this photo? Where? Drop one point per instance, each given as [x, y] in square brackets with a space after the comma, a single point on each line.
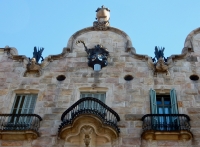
[90, 106]
[19, 122]
[166, 122]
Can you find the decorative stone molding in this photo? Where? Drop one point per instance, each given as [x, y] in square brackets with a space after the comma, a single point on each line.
[102, 26]
[33, 68]
[160, 66]
[93, 89]
[166, 135]
[18, 135]
[88, 128]
[19, 58]
[26, 91]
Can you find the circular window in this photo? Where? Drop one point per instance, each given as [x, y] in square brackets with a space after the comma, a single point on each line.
[128, 77]
[61, 78]
[194, 77]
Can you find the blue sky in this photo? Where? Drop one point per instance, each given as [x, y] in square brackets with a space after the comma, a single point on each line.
[49, 24]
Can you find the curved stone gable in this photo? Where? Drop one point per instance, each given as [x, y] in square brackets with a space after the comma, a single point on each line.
[112, 38]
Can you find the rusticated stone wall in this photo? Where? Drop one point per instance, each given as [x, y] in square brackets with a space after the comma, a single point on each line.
[130, 99]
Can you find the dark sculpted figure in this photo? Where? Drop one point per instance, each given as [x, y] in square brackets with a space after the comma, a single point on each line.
[33, 66]
[37, 54]
[159, 63]
[159, 53]
[96, 55]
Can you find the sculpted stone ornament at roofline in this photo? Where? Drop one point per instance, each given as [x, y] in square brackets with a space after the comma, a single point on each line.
[103, 17]
[33, 67]
[162, 64]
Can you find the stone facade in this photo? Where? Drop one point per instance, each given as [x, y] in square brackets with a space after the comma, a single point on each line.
[130, 99]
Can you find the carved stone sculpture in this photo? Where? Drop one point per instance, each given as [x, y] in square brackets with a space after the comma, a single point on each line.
[103, 26]
[87, 130]
[159, 64]
[33, 67]
[103, 17]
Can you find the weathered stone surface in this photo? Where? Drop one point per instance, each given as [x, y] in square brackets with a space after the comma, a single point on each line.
[191, 91]
[51, 117]
[129, 99]
[123, 124]
[42, 141]
[193, 110]
[11, 143]
[131, 141]
[132, 117]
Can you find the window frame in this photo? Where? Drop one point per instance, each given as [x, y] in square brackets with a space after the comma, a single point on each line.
[32, 101]
[173, 101]
[164, 121]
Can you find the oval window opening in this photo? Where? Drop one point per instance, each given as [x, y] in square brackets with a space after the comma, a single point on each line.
[194, 77]
[61, 78]
[128, 77]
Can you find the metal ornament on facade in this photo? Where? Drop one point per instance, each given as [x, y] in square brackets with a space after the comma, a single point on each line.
[97, 56]
[33, 66]
[160, 64]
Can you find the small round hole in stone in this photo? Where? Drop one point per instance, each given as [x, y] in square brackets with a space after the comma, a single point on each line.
[194, 77]
[60, 78]
[128, 77]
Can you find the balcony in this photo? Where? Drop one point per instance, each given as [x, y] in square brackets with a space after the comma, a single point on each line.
[19, 126]
[89, 121]
[166, 127]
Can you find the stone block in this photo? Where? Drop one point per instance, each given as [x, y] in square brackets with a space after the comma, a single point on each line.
[168, 143]
[158, 81]
[42, 142]
[122, 110]
[131, 141]
[46, 80]
[112, 80]
[66, 92]
[45, 131]
[3, 92]
[134, 132]
[123, 124]
[191, 91]
[12, 143]
[46, 123]
[193, 110]
[58, 110]
[51, 117]
[133, 117]
[134, 104]
[79, 80]
[118, 104]
[49, 104]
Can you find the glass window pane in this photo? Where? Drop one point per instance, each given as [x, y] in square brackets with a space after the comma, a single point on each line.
[160, 110]
[159, 101]
[167, 110]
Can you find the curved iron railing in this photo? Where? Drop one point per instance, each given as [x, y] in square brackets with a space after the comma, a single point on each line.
[166, 122]
[11, 122]
[89, 105]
